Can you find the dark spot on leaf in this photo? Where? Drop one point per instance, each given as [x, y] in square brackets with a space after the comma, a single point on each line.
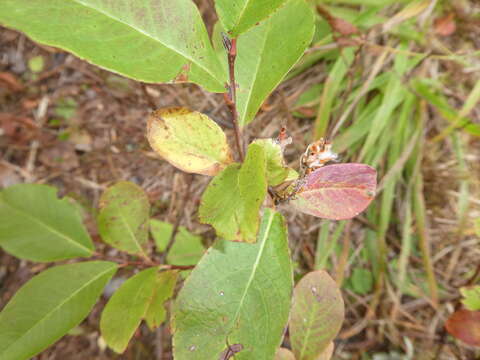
[229, 352]
[182, 76]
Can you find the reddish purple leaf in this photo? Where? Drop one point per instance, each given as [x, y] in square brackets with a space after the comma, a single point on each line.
[465, 326]
[337, 192]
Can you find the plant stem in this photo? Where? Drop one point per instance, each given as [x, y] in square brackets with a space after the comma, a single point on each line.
[231, 98]
[171, 241]
[142, 264]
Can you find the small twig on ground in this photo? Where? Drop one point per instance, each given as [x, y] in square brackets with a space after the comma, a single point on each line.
[148, 97]
[230, 98]
[171, 241]
[159, 339]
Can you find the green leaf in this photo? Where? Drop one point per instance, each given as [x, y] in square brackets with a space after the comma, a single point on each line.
[123, 217]
[189, 140]
[239, 294]
[231, 202]
[277, 172]
[471, 297]
[126, 309]
[240, 15]
[252, 185]
[266, 53]
[164, 288]
[152, 41]
[49, 305]
[140, 297]
[361, 281]
[187, 248]
[317, 315]
[38, 226]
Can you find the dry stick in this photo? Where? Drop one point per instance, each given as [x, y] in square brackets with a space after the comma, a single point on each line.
[171, 241]
[231, 98]
[148, 97]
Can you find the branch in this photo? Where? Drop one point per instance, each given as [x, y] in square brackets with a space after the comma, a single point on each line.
[230, 98]
[171, 241]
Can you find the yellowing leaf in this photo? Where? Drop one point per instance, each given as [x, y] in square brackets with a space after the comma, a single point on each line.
[164, 288]
[317, 315]
[189, 140]
[123, 217]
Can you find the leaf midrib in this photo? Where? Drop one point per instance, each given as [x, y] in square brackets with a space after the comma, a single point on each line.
[310, 323]
[257, 66]
[254, 269]
[333, 186]
[49, 228]
[98, 276]
[141, 31]
[191, 148]
[307, 334]
[131, 233]
[240, 16]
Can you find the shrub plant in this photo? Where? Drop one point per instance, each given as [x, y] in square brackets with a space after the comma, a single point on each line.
[237, 300]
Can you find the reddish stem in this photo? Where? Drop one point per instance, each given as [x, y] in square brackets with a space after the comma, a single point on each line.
[231, 46]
